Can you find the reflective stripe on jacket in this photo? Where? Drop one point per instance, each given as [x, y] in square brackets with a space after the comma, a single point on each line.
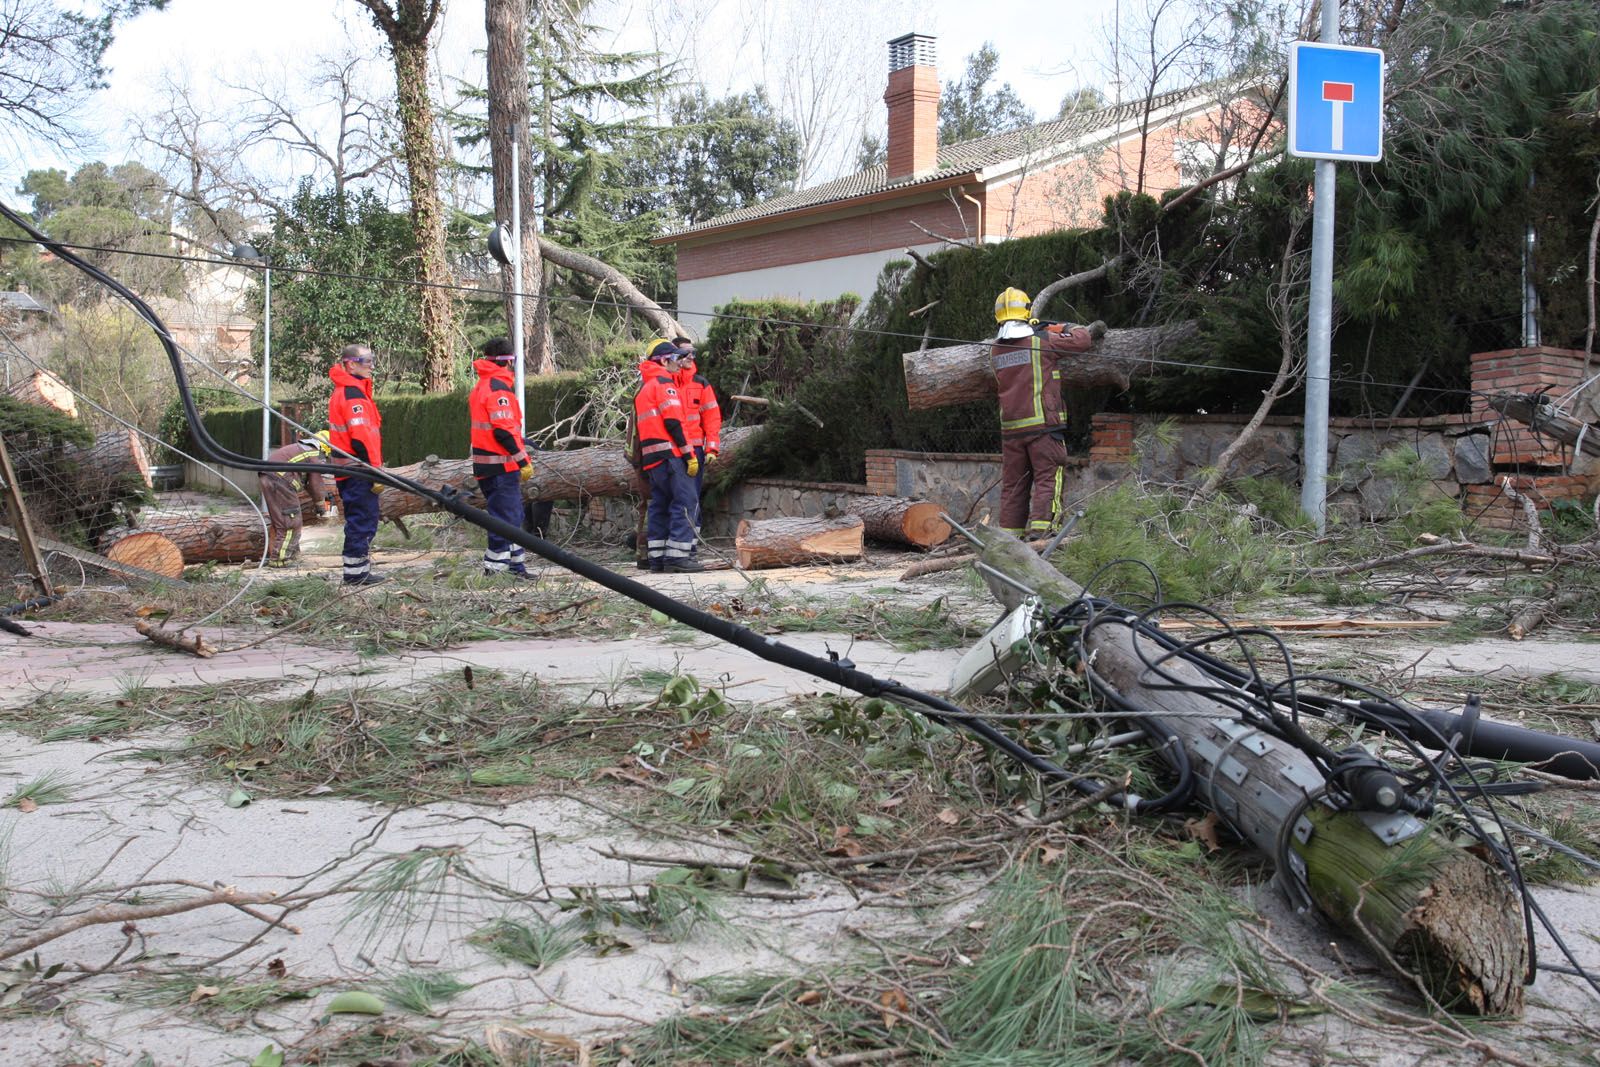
[295, 452]
[496, 417]
[1027, 370]
[658, 414]
[354, 425]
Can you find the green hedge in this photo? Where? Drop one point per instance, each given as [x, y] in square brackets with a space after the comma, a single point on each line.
[415, 425]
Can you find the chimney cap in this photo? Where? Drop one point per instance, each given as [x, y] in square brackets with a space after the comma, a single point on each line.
[911, 50]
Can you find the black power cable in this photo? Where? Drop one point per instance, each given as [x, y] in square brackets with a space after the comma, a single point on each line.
[836, 671]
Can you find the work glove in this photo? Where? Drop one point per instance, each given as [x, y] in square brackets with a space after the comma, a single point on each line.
[526, 472]
[1097, 329]
[711, 456]
[378, 487]
[694, 466]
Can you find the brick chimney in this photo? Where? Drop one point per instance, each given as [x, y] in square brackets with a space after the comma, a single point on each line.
[913, 99]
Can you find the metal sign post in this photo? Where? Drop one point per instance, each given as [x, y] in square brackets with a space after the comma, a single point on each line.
[1335, 112]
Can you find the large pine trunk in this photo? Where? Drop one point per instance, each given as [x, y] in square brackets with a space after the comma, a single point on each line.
[961, 374]
[232, 537]
[790, 542]
[1445, 917]
[900, 521]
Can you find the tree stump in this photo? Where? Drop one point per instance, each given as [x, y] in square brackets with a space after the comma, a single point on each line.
[149, 550]
[789, 542]
[961, 374]
[45, 390]
[899, 520]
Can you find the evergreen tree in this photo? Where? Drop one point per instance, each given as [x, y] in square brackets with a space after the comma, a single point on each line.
[970, 108]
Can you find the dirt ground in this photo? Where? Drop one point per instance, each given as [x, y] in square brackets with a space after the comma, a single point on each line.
[159, 830]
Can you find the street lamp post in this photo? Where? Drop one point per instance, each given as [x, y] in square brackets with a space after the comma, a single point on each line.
[505, 245]
[248, 253]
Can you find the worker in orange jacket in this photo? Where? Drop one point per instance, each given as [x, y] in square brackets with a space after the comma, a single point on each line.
[500, 460]
[667, 462]
[355, 430]
[1033, 457]
[702, 420]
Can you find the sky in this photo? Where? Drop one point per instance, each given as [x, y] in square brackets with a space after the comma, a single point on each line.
[728, 44]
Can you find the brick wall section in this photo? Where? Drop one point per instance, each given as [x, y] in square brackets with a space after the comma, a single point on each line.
[1111, 438]
[881, 477]
[1523, 370]
[1488, 505]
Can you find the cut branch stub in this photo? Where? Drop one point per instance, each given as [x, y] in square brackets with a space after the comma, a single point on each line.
[961, 374]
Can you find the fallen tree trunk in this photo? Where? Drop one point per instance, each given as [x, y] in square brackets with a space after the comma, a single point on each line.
[787, 542]
[43, 389]
[900, 521]
[148, 550]
[232, 537]
[1445, 918]
[961, 374]
[577, 474]
[115, 455]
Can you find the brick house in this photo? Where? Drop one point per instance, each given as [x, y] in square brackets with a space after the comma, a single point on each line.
[834, 238]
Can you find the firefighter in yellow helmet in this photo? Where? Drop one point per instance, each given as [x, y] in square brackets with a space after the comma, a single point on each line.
[1027, 357]
[280, 492]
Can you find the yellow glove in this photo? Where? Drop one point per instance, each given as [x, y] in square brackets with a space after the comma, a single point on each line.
[711, 457]
[378, 487]
[526, 472]
[694, 466]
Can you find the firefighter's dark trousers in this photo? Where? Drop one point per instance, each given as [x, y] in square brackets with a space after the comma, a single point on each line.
[284, 521]
[360, 526]
[1032, 470]
[502, 496]
[669, 524]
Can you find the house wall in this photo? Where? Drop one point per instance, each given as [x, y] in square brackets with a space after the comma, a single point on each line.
[823, 280]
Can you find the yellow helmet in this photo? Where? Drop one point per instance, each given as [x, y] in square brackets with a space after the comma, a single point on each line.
[1012, 305]
[325, 442]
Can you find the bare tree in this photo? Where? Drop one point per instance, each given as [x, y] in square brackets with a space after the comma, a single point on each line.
[507, 24]
[407, 25]
[346, 132]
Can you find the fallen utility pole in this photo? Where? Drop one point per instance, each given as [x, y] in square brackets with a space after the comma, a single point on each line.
[1439, 914]
[1544, 417]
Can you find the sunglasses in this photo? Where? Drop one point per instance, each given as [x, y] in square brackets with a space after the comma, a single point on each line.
[363, 360]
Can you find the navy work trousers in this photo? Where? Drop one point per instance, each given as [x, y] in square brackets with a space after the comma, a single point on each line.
[360, 525]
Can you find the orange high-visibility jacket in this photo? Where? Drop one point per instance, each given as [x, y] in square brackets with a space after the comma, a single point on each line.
[353, 420]
[658, 414]
[496, 415]
[702, 418]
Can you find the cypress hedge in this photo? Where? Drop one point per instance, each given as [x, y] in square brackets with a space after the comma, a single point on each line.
[415, 425]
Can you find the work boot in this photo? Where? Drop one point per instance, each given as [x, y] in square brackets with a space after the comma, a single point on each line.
[644, 565]
[523, 576]
[366, 579]
[685, 566]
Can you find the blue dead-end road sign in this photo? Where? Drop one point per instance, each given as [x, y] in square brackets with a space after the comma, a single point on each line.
[1335, 102]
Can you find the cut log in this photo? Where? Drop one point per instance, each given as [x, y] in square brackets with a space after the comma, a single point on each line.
[1444, 917]
[148, 550]
[900, 521]
[115, 455]
[790, 542]
[232, 537]
[577, 474]
[45, 390]
[961, 374]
